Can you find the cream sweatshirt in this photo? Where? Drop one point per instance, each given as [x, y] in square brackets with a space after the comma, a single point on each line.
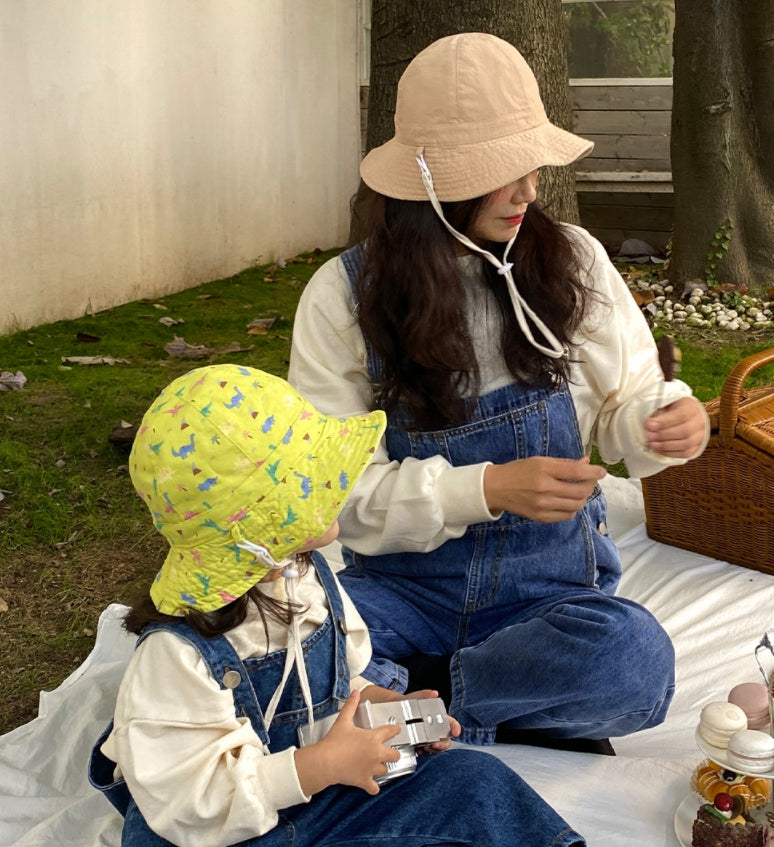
[416, 505]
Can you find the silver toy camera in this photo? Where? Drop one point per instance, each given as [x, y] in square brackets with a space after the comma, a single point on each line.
[421, 722]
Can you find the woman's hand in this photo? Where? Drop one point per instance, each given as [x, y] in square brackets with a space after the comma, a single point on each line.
[541, 488]
[677, 430]
[347, 755]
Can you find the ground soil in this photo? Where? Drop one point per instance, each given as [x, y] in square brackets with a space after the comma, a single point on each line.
[49, 626]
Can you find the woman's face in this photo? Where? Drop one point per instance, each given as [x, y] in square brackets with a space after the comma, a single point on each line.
[503, 211]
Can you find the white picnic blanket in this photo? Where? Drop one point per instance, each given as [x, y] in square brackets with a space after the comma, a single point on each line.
[716, 614]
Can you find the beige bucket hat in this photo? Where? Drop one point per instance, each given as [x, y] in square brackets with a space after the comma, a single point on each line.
[470, 107]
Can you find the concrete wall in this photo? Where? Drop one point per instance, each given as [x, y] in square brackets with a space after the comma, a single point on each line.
[147, 146]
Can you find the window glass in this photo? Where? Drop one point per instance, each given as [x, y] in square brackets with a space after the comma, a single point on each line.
[619, 38]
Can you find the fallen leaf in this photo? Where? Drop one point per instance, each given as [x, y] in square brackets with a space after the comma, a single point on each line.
[160, 306]
[3, 605]
[94, 360]
[86, 338]
[642, 298]
[260, 326]
[181, 349]
[167, 321]
[9, 381]
[124, 433]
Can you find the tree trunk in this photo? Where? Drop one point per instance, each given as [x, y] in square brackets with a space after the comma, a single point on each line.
[401, 28]
[722, 143]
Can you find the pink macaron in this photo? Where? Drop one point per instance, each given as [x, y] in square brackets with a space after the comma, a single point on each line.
[753, 699]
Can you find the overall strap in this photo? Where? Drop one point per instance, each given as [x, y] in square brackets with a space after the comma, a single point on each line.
[226, 669]
[352, 260]
[336, 606]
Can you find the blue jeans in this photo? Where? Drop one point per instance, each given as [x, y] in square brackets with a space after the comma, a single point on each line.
[458, 798]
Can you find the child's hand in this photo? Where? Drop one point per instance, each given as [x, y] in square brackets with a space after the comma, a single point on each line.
[347, 755]
[678, 429]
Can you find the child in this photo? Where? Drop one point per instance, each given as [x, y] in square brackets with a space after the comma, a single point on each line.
[247, 636]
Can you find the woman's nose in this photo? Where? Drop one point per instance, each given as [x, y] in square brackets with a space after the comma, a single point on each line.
[524, 190]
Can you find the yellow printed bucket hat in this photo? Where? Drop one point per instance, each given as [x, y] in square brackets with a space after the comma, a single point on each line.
[229, 458]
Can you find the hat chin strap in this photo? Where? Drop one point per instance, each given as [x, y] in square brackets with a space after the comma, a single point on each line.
[294, 652]
[521, 308]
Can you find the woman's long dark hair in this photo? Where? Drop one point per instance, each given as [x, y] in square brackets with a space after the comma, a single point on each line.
[411, 302]
[221, 620]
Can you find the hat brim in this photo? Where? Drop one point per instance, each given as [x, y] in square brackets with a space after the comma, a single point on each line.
[471, 170]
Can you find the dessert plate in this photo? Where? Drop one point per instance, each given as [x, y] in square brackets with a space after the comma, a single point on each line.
[720, 755]
[684, 816]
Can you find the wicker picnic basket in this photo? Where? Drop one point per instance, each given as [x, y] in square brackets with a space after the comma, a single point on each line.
[722, 503]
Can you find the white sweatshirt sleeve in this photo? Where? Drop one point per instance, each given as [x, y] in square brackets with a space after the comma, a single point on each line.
[199, 775]
[414, 505]
[617, 382]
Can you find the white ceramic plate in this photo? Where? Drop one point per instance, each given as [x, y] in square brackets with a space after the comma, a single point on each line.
[684, 816]
[720, 755]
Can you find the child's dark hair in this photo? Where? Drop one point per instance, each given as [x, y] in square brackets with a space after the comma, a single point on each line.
[210, 624]
[411, 302]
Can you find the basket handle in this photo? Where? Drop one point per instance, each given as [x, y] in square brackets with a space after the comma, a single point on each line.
[732, 387]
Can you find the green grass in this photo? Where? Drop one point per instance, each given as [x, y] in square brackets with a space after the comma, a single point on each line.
[74, 535]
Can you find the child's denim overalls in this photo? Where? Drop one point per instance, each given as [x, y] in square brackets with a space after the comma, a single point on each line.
[526, 608]
[409, 812]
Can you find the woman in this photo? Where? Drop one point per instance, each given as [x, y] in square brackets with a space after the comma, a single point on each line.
[501, 346]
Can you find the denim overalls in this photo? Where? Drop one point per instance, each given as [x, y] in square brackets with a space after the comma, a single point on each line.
[526, 609]
[408, 812]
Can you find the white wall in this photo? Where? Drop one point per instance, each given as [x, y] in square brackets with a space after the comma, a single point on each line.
[147, 146]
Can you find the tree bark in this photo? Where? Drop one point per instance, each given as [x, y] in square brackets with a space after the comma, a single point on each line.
[723, 143]
[401, 28]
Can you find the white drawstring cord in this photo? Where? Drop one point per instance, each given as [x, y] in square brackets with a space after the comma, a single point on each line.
[294, 653]
[259, 552]
[520, 306]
